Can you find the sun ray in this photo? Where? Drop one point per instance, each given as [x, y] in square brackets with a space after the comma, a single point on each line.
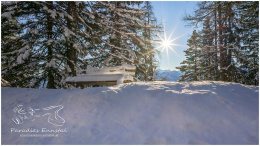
[167, 43]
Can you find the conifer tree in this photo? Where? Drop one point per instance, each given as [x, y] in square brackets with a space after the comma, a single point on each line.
[229, 41]
[49, 41]
[146, 54]
[190, 66]
[248, 30]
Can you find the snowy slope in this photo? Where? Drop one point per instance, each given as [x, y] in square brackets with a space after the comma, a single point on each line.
[141, 113]
[168, 75]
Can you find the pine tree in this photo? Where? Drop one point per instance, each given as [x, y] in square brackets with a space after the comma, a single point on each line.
[49, 29]
[130, 36]
[229, 41]
[248, 28]
[190, 66]
[207, 51]
[206, 14]
[17, 62]
[146, 54]
[53, 40]
[43, 31]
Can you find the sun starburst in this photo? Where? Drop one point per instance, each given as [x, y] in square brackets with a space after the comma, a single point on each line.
[167, 43]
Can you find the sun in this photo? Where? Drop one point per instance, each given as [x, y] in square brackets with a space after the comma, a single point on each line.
[166, 43]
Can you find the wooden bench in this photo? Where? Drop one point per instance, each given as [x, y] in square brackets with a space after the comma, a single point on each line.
[108, 76]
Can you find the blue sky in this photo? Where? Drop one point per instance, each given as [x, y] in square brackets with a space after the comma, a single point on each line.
[170, 14]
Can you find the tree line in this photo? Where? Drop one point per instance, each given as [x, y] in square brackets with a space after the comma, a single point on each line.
[224, 46]
[45, 42]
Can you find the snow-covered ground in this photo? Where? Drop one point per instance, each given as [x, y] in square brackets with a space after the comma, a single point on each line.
[138, 113]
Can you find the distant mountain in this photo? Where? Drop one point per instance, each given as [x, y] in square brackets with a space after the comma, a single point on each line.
[168, 75]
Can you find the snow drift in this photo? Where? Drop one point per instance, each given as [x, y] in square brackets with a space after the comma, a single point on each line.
[141, 113]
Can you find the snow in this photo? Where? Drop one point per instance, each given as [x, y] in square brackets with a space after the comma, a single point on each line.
[7, 14]
[61, 15]
[24, 54]
[68, 32]
[52, 12]
[93, 77]
[141, 113]
[4, 83]
[110, 70]
[19, 59]
[117, 73]
[51, 63]
[50, 41]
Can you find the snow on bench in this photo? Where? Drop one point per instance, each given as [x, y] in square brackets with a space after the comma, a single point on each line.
[103, 77]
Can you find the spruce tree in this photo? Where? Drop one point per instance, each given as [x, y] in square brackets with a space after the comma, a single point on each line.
[229, 40]
[146, 54]
[248, 30]
[45, 42]
[190, 66]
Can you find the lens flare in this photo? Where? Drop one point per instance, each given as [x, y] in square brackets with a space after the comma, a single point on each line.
[167, 43]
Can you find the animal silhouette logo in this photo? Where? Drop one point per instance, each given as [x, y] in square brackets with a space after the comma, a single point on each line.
[22, 114]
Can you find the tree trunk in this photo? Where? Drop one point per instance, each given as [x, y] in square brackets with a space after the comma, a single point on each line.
[215, 56]
[116, 39]
[71, 51]
[222, 50]
[230, 41]
[50, 70]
